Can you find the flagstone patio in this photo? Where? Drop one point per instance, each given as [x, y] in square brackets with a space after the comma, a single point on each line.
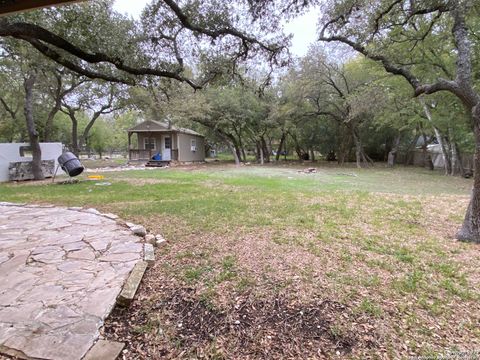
[61, 271]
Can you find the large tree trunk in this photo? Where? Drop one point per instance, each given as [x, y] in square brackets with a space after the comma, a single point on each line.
[260, 148]
[47, 132]
[266, 150]
[238, 143]
[229, 139]
[236, 138]
[82, 141]
[279, 150]
[470, 230]
[241, 154]
[32, 130]
[74, 145]
[360, 154]
[297, 147]
[60, 93]
[235, 153]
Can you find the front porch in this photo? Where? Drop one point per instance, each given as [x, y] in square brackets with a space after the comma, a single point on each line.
[153, 147]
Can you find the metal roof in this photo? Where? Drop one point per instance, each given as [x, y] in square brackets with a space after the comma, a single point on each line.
[157, 126]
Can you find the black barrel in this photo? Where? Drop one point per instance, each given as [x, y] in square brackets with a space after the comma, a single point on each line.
[70, 164]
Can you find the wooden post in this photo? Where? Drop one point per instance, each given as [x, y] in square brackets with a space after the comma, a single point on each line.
[129, 146]
[149, 146]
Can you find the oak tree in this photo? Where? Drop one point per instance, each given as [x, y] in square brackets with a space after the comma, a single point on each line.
[380, 29]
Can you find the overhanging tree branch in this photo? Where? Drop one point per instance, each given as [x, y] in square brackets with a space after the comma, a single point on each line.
[41, 38]
[13, 113]
[59, 59]
[461, 86]
[187, 23]
[78, 59]
[387, 64]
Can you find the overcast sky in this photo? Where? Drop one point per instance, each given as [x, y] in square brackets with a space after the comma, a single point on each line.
[303, 28]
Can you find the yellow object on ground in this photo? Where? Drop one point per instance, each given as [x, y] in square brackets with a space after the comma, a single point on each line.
[96, 177]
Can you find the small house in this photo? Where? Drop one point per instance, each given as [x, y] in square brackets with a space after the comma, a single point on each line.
[163, 142]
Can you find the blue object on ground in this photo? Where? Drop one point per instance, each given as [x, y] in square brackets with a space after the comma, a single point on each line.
[157, 157]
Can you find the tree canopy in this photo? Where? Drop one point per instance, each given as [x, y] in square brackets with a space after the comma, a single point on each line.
[93, 40]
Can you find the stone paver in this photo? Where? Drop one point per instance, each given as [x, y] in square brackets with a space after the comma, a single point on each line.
[149, 254]
[105, 350]
[132, 283]
[61, 271]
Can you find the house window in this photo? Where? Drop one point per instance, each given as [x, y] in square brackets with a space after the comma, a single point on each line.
[168, 143]
[149, 143]
[193, 145]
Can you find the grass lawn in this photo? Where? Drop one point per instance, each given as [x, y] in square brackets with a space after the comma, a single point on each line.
[99, 163]
[268, 262]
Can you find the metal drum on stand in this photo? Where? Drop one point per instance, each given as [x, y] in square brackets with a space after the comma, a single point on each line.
[70, 164]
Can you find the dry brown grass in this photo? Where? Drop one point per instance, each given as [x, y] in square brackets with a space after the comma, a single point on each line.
[277, 274]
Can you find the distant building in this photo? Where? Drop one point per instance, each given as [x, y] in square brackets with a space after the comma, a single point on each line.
[162, 142]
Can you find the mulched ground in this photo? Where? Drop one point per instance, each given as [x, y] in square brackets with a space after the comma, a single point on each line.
[181, 324]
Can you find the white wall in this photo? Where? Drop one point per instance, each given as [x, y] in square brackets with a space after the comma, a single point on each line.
[11, 153]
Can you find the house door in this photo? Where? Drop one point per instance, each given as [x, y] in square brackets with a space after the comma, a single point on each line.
[167, 148]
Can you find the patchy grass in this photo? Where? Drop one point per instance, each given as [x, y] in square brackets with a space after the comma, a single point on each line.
[102, 163]
[344, 263]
